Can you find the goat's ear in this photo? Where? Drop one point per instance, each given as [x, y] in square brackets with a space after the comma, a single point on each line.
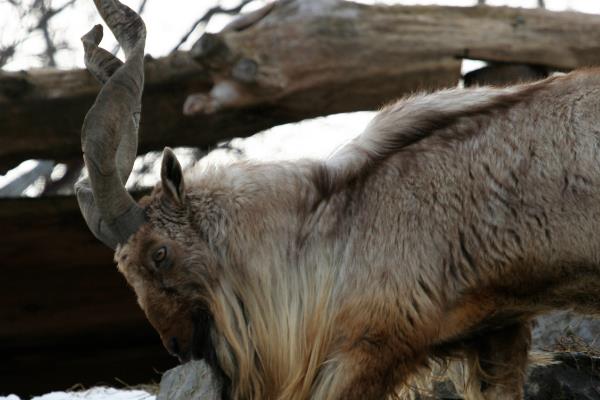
[172, 177]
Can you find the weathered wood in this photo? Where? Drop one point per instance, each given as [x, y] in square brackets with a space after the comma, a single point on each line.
[67, 315]
[300, 60]
[504, 74]
[17, 186]
[41, 112]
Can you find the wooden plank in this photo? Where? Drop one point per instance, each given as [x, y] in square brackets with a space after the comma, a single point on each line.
[67, 315]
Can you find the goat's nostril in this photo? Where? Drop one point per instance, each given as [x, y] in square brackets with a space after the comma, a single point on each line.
[174, 346]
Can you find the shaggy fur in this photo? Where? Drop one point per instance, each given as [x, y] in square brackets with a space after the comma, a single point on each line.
[437, 234]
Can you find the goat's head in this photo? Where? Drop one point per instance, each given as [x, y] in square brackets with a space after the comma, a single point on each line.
[152, 255]
[170, 266]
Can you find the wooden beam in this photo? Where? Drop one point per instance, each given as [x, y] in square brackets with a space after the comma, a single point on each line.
[299, 60]
[67, 316]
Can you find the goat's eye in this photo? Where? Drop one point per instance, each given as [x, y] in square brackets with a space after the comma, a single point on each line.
[160, 255]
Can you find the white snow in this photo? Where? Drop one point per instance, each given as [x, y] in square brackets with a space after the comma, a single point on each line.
[97, 393]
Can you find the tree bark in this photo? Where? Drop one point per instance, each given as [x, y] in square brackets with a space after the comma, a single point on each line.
[299, 59]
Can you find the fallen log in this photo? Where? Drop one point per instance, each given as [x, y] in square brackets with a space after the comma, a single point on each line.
[297, 60]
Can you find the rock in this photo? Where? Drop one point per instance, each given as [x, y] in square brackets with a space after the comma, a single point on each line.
[550, 329]
[191, 381]
[575, 377]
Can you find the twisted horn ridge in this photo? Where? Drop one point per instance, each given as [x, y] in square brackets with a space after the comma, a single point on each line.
[109, 135]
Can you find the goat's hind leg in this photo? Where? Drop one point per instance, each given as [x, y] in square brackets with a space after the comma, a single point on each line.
[497, 362]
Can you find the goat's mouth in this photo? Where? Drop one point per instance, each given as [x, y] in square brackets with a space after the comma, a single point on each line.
[175, 349]
[201, 343]
[197, 345]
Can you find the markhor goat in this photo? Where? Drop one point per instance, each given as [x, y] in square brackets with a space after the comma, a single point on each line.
[436, 234]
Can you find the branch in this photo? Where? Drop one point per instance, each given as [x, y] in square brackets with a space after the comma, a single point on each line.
[47, 13]
[302, 59]
[205, 19]
[6, 53]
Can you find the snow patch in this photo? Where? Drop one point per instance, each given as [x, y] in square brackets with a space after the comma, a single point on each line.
[97, 393]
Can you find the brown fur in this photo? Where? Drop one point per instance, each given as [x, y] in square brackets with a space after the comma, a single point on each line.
[435, 235]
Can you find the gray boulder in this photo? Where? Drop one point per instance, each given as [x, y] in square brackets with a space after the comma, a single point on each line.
[191, 381]
[575, 376]
[550, 330]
